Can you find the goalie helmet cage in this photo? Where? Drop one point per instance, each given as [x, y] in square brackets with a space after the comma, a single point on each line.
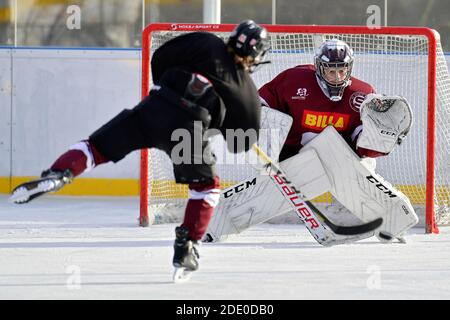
[406, 61]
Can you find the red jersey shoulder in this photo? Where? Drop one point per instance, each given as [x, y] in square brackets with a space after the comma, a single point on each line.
[299, 72]
[289, 83]
[357, 92]
[290, 79]
[359, 85]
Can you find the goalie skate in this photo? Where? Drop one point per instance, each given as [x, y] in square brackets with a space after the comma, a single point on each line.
[50, 181]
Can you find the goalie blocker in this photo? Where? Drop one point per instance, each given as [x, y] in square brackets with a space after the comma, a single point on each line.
[327, 164]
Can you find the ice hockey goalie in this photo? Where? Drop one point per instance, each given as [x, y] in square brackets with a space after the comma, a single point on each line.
[328, 164]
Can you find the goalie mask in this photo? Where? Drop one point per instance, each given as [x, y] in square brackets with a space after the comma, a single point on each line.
[249, 41]
[334, 61]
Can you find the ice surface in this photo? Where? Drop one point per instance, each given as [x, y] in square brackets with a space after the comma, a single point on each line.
[92, 248]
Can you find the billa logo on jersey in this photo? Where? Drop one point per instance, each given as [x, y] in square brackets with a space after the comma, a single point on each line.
[319, 120]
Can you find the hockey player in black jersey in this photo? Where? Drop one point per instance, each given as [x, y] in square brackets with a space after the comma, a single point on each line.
[198, 78]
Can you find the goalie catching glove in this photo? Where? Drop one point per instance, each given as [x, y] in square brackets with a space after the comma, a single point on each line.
[386, 122]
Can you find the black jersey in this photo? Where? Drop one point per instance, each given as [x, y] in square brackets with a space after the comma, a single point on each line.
[207, 54]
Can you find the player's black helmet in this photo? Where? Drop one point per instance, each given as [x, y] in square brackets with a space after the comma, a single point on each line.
[338, 56]
[249, 40]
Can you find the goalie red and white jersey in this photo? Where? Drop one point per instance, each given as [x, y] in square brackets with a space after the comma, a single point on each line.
[296, 92]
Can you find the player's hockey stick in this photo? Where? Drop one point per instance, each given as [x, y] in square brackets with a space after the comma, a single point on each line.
[316, 222]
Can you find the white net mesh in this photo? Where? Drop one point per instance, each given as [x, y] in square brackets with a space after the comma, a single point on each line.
[393, 64]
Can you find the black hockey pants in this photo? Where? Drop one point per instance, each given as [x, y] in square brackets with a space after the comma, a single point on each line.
[152, 124]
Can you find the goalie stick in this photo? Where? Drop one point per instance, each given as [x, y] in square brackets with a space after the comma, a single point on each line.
[347, 230]
[320, 227]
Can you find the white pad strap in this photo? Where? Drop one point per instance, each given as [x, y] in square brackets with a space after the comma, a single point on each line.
[211, 196]
[386, 122]
[83, 147]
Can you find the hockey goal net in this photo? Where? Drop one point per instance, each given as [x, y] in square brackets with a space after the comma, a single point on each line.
[406, 61]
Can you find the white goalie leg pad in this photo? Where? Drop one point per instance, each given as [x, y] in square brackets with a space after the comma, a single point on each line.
[257, 199]
[307, 172]
[243, 205]
[362, 191]
[327, 163]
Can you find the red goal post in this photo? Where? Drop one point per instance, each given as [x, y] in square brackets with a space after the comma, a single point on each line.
[390, 35]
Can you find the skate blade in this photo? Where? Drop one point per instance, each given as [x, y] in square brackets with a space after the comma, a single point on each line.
[29, 191]
[181, 275]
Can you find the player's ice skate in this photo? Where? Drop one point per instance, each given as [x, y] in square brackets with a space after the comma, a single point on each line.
[50, 181]
[181, 275]
[185, 259]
